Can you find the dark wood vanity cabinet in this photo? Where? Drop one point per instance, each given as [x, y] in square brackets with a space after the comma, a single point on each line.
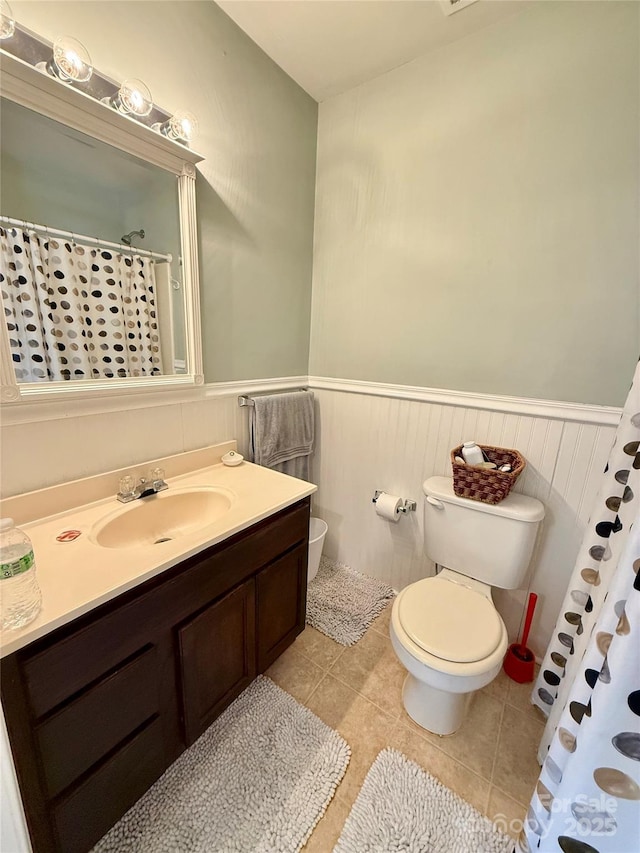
[217, 657]
[281, 597]
[98, 709]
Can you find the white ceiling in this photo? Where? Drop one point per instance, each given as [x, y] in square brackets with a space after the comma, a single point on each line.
[329, 46]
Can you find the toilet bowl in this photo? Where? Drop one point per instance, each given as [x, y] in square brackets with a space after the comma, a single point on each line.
[445, 629]
[447, 633]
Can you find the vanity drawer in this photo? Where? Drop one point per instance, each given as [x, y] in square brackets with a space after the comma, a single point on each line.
[82, 733]
[83, 816]
[91, 648]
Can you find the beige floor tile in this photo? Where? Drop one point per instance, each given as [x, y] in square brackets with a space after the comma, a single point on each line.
[516, 768]
[363, 725]
[296, 674]
[332, 701]
[371, 668]
[381, 623]
[519, 696]
[466, 784]
[476, 742]
[507, 814]
[319, 648]
[363, 754]
[356, 718]
[498, 687]
[327, 832]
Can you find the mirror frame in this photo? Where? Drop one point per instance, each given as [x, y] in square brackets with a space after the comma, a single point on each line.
[25, 85]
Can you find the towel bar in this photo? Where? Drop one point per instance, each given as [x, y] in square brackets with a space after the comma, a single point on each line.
[247, 400]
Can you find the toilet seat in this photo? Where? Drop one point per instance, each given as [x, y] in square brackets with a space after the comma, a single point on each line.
[449, 620]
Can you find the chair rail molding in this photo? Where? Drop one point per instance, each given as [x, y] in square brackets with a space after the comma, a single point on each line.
[29, 411]
[555, 410]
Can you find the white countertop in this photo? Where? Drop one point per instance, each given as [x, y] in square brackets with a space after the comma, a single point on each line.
[77, 576]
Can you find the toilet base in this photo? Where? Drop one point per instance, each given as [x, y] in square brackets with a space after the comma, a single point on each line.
[438, 711]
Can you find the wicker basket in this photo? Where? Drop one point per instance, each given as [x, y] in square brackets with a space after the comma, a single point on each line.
[488, 485]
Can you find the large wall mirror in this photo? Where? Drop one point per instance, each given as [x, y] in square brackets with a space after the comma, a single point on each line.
[98, 261]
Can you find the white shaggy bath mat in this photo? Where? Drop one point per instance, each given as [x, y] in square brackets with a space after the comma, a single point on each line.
[400, 807]
[343, 603]
[257, 781]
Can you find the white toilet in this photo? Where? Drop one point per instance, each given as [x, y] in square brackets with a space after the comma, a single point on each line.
[445, 629]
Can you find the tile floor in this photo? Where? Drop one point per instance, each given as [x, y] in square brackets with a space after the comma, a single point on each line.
[490, 762]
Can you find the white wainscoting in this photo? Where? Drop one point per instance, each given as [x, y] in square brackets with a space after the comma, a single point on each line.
[367, 441]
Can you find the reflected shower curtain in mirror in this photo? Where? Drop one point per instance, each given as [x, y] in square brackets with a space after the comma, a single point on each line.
[75, 311]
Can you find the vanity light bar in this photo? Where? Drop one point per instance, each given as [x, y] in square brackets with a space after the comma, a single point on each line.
[134, 101]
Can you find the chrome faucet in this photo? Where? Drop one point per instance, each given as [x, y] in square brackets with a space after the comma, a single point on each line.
[131, 491]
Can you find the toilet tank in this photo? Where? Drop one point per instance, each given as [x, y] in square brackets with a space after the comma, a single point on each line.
[492, 543]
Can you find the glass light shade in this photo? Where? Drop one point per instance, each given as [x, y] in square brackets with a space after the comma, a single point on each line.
[183, 126]
[7, 21]
[133, 98]
[71, 61]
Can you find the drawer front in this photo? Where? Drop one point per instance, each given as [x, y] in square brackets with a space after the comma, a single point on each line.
[82, 733]
[68, 665]
[88, 812]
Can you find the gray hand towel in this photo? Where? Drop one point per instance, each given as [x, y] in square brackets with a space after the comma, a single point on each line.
[281, 432]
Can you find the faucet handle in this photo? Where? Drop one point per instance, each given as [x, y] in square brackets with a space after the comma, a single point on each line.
[157, 478]
[126, 485]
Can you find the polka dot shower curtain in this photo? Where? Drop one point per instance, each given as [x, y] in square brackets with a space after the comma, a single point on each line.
[587, 799]
[75, 311]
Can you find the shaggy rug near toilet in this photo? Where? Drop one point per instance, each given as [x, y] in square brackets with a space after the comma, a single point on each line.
[400, 807]
[257, 781]
[343, 603]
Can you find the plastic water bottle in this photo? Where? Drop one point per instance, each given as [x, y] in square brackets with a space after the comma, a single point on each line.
[471, 453]
[20, 596]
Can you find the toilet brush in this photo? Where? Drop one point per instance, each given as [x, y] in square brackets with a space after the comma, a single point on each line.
[519, 661]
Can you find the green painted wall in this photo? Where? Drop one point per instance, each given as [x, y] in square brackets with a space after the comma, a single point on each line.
[477, 213]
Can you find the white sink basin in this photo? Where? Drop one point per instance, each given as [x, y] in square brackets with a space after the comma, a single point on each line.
[162, 518]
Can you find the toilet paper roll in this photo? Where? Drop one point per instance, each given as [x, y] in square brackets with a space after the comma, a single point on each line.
[388, 506]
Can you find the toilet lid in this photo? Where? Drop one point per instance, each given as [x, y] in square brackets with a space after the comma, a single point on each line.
[449, 620]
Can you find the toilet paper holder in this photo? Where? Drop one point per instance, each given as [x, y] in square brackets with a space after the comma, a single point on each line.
[408, 506]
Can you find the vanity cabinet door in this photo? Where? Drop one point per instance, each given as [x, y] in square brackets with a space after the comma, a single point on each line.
[281, 595]
[217, 657]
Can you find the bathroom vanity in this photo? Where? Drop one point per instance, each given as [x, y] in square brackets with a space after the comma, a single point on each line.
[98, 708]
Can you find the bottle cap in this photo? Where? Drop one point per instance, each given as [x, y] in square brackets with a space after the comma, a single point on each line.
[469, 444]
[6, 523]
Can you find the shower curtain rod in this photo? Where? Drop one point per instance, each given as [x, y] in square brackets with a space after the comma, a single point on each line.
[96, 241]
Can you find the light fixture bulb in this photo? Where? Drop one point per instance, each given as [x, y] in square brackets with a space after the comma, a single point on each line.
[133, 98]
[7, 21]
[181, 127]
[71, 61]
